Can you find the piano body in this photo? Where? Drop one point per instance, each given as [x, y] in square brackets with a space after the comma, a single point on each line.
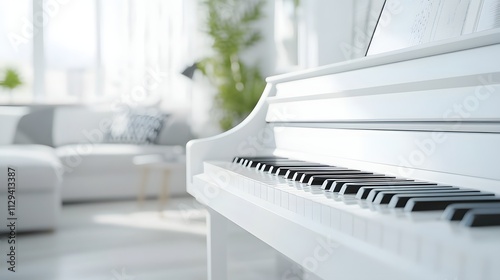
[429, 113]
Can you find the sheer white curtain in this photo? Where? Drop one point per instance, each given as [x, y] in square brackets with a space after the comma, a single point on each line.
[131, 51]
[145, 45]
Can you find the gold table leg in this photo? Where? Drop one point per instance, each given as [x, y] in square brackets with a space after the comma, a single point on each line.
[144, 183]
[164, 189]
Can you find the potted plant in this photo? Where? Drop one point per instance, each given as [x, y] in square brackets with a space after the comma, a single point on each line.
[230, 25]
[11, 81]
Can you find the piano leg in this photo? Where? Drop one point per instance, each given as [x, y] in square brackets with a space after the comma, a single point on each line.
[216, 246]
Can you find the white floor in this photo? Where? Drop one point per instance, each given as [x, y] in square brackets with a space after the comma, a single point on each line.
[122, 241]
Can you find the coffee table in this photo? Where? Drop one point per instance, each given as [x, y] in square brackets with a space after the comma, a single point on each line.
[150, 163]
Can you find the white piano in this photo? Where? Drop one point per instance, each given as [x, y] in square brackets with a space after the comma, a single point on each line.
[429, 113]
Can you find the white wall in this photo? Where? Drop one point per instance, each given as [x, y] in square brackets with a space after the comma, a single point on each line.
[324, 26]
[335, 31]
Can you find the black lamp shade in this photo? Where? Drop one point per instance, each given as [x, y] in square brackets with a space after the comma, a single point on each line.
[189, 71]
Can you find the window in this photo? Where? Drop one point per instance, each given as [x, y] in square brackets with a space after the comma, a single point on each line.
[70, 44]
[99, 51]
[16, 29]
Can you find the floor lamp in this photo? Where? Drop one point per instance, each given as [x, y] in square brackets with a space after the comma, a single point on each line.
[189, 72]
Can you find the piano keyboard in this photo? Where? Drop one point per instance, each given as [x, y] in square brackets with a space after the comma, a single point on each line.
[446, 229]
[469, 207]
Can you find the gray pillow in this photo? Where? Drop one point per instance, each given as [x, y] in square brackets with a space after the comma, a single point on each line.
[136, 127]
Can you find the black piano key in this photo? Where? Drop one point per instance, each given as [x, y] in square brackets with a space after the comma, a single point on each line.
[298, 164]
[332, 185]
[384, 197]
[364, 192]
[337, 185]
[271, 157]
[456, 212]
[354, 187]
[363, 189]
[267, 166]
[400, 200]
[258, 164]
[244, 160]
[291, 172]
[319, 179]
[481, 218]
[282, 170]
[255, 162]
[440, 203]
[304, 177]
[237, 159]
[329, 183]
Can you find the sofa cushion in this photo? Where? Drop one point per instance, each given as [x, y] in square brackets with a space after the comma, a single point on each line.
[37, 167]
[136, 127]
[109, 158]
[73, 125]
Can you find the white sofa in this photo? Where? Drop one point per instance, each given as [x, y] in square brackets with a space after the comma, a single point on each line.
[100, 171]
[93, 170]
[35, 193]
[76, 168]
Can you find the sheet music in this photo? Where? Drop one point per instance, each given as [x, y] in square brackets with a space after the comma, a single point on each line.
[450, 20]
[490, 15]
[406, 23]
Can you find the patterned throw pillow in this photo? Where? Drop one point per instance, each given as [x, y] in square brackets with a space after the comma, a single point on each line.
[136, 128]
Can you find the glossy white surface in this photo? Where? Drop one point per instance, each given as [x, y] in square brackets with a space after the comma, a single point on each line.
[414, 113]
[362, 234]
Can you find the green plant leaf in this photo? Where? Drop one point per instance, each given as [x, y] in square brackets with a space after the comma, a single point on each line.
[11, 79]
[231, 26]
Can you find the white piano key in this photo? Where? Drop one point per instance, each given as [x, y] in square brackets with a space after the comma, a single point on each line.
[270, 194]
[492, 268]
[257, 190]
[240, 184]
[247, 186]
[277, 196]
[308, 209]
[251, 188]
[359, 228]
[335, 218]
[292, 202]
[263, 191]
[346, 223]
[301, 206]
[284, 199]
[475, 268]
[326, 215]
[430, 251]
[374, 233]
[410, 246]
[390, 239]
[452, 262]
[316, 212]
[387, 231]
